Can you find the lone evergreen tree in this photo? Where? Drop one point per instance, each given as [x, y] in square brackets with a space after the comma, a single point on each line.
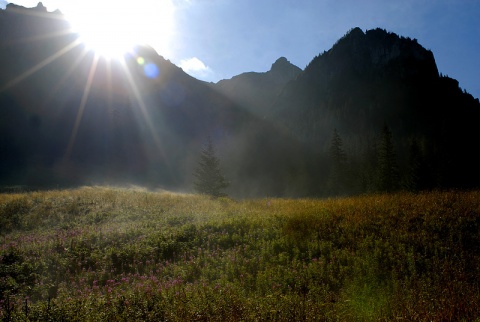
[388, 173]
[208, 178]
[417, 176]
[412, 179]
[338, 175]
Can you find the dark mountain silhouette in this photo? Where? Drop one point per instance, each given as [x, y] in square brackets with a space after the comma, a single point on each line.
[68, 117]
[367, 80]
[257, 91]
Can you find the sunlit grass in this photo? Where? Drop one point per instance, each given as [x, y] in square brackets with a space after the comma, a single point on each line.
[102, 253]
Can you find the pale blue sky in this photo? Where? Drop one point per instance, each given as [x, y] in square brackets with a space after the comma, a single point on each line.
[228, 37]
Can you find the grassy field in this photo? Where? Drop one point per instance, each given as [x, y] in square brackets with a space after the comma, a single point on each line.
[98, 254]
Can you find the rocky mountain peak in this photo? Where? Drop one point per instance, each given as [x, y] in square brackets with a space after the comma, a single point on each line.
[283, 71]
[41, 7]
[282, 62]
[14, 7]
[375, 52]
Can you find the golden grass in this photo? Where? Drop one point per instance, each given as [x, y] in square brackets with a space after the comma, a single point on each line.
[185, 257]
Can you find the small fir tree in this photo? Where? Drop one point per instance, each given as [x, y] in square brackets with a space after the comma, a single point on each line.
[417, 176]
[412, 179]
[388, 173]
[209, 179]
[338, 175]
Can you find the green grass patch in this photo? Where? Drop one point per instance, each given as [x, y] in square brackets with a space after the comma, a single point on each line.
[97, 254]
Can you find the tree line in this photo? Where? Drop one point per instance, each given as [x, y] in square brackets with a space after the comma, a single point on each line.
[379, 170]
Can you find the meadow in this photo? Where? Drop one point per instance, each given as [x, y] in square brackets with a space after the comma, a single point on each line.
[100, 253]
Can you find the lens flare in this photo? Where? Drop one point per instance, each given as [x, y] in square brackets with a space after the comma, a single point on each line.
[151, 70]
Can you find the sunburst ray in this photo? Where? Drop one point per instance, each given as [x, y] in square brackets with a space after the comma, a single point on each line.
[41, 64]
[81, 108]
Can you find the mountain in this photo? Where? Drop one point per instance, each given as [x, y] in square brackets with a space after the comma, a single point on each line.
[365, 78]
[376, 78]
[257, 91]
[70, 118]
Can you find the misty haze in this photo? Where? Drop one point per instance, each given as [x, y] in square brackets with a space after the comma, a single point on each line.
[130, 190]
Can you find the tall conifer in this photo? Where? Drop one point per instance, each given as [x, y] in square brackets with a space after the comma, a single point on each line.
[338, 174]
[387, 168]
[209, 179]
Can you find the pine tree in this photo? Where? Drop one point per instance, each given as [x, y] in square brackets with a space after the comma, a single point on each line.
[368, 177]
[387, 169]
[338, 175]
[209, 179]
[417, 176]
[412, 179]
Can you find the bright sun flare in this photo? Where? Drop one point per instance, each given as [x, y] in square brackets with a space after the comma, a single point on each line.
[112, 27]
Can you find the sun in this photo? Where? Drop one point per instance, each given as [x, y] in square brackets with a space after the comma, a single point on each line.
[111, 28]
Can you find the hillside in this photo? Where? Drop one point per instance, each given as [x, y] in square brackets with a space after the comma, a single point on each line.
[101, 254]
[372, 79]
[69, 118]
[258, 91]
[96, 121]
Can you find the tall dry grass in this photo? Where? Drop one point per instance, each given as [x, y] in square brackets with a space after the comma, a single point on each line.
[100, 253]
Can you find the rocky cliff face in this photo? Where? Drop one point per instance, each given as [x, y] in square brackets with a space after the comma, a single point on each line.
[377, 48]
[364, 80]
